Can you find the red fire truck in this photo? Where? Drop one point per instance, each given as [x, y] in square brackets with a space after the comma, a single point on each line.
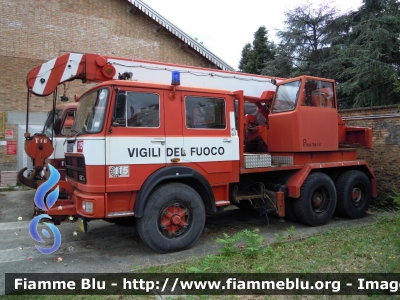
[57, 127]
[168, 153]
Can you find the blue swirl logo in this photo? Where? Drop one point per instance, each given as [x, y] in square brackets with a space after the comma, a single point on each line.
[51, 198]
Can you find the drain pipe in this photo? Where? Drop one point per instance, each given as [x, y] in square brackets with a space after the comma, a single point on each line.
[3, 125]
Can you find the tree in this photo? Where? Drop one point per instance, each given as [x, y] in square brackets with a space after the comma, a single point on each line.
[281, 65]
[245, 57]
[306, 38]
[368, 55]
[255, 57]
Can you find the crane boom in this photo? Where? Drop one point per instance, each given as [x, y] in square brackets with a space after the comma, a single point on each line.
[44, 79]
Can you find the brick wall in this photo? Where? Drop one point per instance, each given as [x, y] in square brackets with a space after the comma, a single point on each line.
[35, 31]
[384, 157]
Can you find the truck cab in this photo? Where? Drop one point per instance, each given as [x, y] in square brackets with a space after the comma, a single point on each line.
[129, 134]
[304, 116]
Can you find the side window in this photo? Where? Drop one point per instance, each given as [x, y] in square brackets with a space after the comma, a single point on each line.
[286, 97]
[48, 126]
[318, 94]
[69, 121]
[90, 114]
[136, 109]
[204, 112]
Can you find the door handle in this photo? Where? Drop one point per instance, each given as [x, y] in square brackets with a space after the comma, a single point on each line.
[158, 140]
[227, 140]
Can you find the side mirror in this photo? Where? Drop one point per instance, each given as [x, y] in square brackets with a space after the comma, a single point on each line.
[64, 98]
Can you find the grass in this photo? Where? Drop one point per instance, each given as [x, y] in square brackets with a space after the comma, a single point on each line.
[371, 248]
[18, 187]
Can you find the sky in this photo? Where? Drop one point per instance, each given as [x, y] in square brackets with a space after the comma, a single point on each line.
[225, 26]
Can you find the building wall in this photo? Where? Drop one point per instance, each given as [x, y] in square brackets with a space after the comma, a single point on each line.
[35, 31]
[384, 157]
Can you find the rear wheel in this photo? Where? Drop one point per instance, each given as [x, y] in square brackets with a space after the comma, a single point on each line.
[354, 194]
[317, 200]
[173, 219]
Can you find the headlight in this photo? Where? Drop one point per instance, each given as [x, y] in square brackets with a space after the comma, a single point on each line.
[87, 206]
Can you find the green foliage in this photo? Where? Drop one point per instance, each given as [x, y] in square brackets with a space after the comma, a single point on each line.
[359, 49]
[381, 219]
[370, 54]
[229, 247]
[305, 38]
[396, 197]
[397, 84]
[253, 241]
[255, 57]
[383, 201]
[364, 248]
[279, 238]
[208, 264]
[292, 232]
[244, 61]
[282, 65]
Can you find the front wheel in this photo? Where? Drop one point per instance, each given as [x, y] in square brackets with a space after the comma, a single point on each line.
[173, 219]
[317, 201]
[354, 194]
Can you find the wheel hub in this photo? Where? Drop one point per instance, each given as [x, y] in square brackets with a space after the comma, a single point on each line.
[317, 200]
[173, 220]
[356, 194]
[176, 220]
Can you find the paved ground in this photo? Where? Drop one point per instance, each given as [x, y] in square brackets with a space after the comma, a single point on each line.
[112, 248]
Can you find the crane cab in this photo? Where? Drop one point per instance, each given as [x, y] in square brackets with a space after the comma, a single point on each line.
[304, 116]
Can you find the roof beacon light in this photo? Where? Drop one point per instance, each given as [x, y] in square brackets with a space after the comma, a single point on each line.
[176, 78]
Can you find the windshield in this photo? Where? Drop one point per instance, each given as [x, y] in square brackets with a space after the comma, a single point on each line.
[286, 96]
[48, 125]
[91, 112]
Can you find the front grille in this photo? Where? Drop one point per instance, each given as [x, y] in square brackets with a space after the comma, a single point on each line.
[75, 168]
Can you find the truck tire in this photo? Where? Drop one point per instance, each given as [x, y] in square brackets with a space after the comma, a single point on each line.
[354, 194]
[317, 202]
[173, 218]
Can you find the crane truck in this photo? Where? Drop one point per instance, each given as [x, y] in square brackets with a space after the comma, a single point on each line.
[167, 153]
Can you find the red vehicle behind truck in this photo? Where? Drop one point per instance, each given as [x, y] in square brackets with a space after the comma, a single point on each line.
[168, 153]
[57, 127]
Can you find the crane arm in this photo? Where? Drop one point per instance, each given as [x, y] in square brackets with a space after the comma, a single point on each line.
[44, 79]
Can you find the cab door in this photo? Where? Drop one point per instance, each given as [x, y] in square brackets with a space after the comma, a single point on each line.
[210, 142]
[136, 146]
